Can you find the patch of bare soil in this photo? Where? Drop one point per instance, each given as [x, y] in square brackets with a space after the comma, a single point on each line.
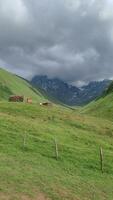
[40, 196]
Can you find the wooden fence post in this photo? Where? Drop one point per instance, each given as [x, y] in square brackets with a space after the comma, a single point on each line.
[56, 149]
[101, 159]
[24, 141]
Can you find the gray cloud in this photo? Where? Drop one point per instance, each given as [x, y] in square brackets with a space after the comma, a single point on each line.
[70, 39]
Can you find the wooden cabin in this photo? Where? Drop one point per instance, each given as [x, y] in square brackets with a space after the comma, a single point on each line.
[15, 98]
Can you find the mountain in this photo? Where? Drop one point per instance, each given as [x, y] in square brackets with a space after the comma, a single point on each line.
[57, 88]
[11, 84]
[68, 94]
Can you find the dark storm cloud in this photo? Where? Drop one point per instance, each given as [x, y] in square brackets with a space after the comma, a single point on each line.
[69, 39]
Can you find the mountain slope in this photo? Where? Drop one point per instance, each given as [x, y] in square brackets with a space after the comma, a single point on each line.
[11, 84]
[103, 106]
[69, 94]
[93, 90]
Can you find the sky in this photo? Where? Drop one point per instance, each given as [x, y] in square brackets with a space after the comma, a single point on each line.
[68, 39]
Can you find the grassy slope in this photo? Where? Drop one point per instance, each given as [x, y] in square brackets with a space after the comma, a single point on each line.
[12, 84]
[75, 176]
[102, 107]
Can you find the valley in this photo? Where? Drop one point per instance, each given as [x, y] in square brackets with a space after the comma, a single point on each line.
[29, 168]
[56, 100]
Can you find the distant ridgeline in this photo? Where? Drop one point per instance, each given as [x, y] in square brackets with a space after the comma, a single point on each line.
[41, 88]
[68, 94]
[109, 89]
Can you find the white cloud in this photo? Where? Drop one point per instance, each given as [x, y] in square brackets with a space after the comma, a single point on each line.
[14, 10]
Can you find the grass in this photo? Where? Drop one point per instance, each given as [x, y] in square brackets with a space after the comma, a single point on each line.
[31, 168]
[102, 107]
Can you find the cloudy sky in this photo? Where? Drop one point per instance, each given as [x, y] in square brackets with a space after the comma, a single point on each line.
[69, 39]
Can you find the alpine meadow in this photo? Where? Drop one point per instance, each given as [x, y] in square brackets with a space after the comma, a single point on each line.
[31, 168]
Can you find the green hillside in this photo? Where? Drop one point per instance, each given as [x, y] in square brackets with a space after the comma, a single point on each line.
[28, 167]
[11, 84]
[103, 106]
